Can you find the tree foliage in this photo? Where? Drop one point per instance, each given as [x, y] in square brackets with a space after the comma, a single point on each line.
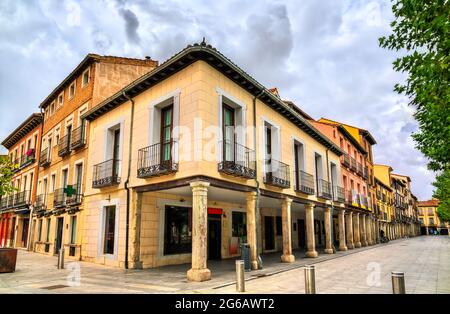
[6, 174]
[421, 32]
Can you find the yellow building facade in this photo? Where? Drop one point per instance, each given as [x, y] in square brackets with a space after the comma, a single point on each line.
[429, 220]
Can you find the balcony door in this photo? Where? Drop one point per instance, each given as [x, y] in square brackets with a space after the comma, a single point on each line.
[116, 151]
[298, 163]
[166, 135]
[229, 138]
[68, 135]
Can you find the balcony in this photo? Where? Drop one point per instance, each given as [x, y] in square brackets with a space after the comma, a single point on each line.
[304, 182]
[364, 201]
[237, 160]
[359, 169]
[64, 146]
[345, 160]
[77, 138]
[28, 158]
[348, 197]
[16, 164]
[59, 198]
[22, 199]
[3, 202]
[324, 189]
[277, 173]
[150, 163]
[338, 194]
[73, 195]
[39, 203]
[366, 173]
[44, 158]
[106, 174]
[353, 164]
[11, 199]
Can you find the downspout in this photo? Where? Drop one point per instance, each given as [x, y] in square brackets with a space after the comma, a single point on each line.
[258, 192]
[332, 201]
[30, 225]
[127, 188]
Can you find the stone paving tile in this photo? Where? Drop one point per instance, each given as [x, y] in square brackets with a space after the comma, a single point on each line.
[425, 261]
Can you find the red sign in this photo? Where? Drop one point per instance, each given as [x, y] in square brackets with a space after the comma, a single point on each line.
[215, 211]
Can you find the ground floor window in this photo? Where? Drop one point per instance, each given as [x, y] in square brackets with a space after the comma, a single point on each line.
[177, 230]
[40, 230]
[73, 229]
[239, 225]
[49, 222]
[110, 229]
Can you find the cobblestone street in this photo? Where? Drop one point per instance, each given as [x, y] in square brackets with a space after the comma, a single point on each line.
[425, 261]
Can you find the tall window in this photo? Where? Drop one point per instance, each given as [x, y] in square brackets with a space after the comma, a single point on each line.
[166, 133]
[85, 78]
[73, 229]
[228, 125]
[40, 230]
[178, 230]
[53, 182]
[110, 229]
[49, 222]
[116, 151]
[79, 176]
[72, 90]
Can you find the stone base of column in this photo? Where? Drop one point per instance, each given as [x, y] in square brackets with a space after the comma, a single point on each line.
[287, 258]
[199, 274]
[363, 243]
[311, 254]
[329, 251]
[358, 244]
[350, 246]
[343, 248]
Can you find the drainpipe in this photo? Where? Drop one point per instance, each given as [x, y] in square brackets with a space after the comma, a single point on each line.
[127, 227]
[258, 192]
[30, 225]
[332, 201]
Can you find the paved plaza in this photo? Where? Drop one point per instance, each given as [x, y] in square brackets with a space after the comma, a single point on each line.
[425, 261]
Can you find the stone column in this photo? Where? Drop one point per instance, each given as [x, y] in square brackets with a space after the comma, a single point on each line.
[368, 230]
[251, 229]
[341, 223]
[328, 240]
[310, 237]
[199, 271]
[349, 230]
[363, 230]
[356, 230]
[287, 256]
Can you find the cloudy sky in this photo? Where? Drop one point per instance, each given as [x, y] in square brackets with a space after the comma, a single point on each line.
[321, 54]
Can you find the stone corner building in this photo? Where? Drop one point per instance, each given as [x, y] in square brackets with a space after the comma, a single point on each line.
[144, 165]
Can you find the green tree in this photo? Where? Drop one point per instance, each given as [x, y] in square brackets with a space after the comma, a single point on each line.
[442, 193]
[6, 174]
[421, 32]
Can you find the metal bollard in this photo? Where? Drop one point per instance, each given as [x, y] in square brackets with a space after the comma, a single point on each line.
[310, 280]
[398, 282]
[240, 276]
[61, 258]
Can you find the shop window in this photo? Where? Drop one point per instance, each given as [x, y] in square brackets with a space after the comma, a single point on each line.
[239, 225]
[178, 230]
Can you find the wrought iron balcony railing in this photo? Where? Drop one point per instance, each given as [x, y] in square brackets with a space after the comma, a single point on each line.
[338, 194]
[64, 145]
[324, 189]
[348, 197]
[16, 164]
[277, 173]
[59, 198]
[4, 202]
[157, 160]
[44, 158]
[28, 158]
[39, 202]
[345, 160]
[364, 200]
[78, 139]
[366, 172]
[22, 198]
[106, 174]
[75, 197]
[359, 169]
[11, 200]
[352, 163]
[237, 160]
[304, 182]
